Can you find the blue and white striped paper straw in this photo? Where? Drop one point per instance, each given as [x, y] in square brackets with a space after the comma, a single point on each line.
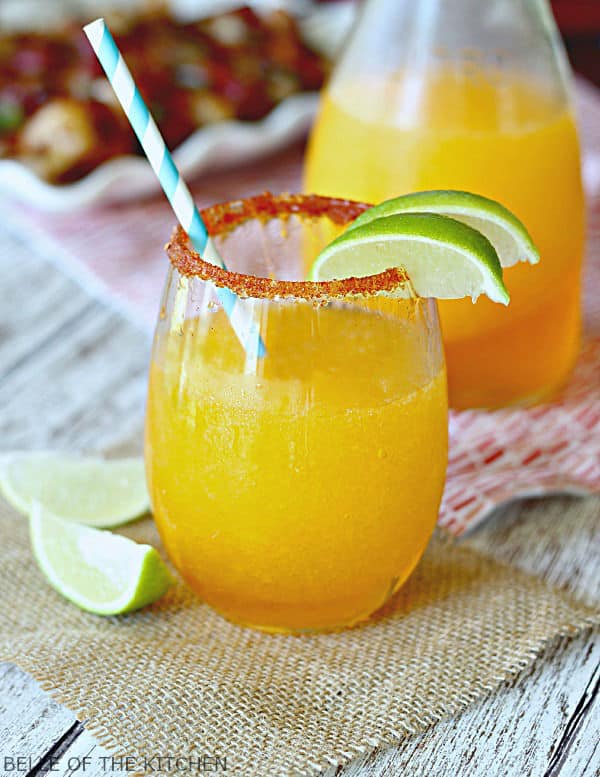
[170, 178]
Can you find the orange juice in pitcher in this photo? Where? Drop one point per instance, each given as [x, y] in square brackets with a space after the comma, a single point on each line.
[470, 96]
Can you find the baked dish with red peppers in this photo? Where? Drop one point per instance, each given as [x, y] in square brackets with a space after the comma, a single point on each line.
[59, 115]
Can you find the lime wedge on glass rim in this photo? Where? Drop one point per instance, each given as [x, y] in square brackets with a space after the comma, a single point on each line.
[100, 572]
[93, 491]
[443, 257]
[506, 233]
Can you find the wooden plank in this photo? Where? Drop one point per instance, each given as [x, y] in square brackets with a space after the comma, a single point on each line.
[72, 374]
[30, 721]
[579, 750]
[556, 539]
[88, 386]
[48, 310]
[83, 756]
[74, 363]
[512, 733]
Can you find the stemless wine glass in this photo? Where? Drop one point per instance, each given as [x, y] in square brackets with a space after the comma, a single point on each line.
[298, 490]
[470, 95]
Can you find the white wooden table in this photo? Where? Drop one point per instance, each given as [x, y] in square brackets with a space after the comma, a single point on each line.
[72, 375]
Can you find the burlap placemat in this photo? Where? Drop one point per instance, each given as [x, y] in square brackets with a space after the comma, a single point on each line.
[177, 680]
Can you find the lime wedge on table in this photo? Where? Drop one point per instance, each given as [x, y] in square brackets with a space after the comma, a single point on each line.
[93, 491]
[100, 572]
[502, 228]
[444, 258]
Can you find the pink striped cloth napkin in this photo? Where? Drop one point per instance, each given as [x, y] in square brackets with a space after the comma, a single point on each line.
[495, 457]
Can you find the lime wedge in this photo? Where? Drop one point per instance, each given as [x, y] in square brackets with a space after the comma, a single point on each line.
[444, 258]
[502, 228]
[93, 491]
[98, 571]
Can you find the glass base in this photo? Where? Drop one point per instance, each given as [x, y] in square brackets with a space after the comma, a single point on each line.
[316, 628]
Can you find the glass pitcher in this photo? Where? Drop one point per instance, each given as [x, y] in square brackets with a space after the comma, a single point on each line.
[469, 95]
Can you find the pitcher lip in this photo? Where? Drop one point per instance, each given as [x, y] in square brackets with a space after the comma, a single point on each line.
[224, 217]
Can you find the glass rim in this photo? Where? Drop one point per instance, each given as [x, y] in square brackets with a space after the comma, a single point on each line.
[225, 217]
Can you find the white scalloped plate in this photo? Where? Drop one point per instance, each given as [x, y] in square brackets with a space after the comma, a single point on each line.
[212, 148]
[127, 177]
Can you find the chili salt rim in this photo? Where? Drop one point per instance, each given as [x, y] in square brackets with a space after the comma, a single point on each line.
[225, 217]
